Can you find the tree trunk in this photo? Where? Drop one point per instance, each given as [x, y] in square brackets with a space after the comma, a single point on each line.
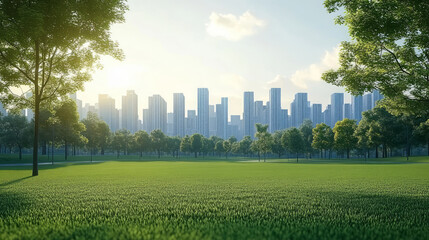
[117, 154]
[297, 157]
[428, 148]
[376, 152]
[44, 148]
[65, 150]
[159, 153]
[195, 154]
[20, 152]
[348, 153]
[36, 111]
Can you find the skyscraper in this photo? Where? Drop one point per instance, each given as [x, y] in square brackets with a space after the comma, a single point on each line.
[179, 114]
[367, 102]
[327, 115]
[157, 113]
[249, 114]
[107, 111]
[376, 96]
[129, 111]
[222, 119]
[212, 120]
[275, 109]
[284, 120]
[259, 112]
[316, 114]
[191, 122]
[357, 107]
[299, 109]
[337, 105]
[347, 111]
[203, 112]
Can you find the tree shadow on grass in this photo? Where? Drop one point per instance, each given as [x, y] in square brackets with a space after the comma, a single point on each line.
[48, 166]
[13, 181]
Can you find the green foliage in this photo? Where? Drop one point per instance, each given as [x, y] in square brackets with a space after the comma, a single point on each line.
[306, 129]
[15, 131]
[245, 145]
[185, 144]
[196, 143]
[142, 141]
[293, 141]
[216, 200]
[323, 137]
[344, 138]
[219, 147]
[389, 51]
[277, 146]
[227, 146]
[158, 141]
[264, 141]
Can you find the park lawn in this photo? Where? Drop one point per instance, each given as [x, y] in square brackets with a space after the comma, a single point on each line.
[215, 200]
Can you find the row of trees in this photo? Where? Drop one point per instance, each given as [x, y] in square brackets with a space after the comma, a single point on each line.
[378, 130]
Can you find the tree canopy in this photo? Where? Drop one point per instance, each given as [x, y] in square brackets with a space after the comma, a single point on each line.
[389, 51]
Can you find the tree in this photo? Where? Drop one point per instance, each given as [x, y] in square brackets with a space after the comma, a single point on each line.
[226, 147]
[277, 146]
[245, 145]
[142, 140]
[69, 129]
[91, 132]
[174, 144]
[158, 141]
[15, 131]
[103, 135]
[422, 133]
[50, 47]
[219, 147]
[389, 52]
[306, 129]
[293, 141]
[360, 133]
[264, 140]
[196, 143]
[344, 135]
[185, 144]
[117, 142]
[323, 138]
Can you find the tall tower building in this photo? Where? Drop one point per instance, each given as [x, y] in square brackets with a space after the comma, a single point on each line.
[347, 111]
[157, 114]
[337, 111]
[367, 102]
[316, 114]
[284, 119]
[259, 112]
[299, 109]
[107, 111]
[179, 114]
[357, 107]
[129, 111]
[327, 115]
[249, 114]
[275, 109]
[191, 122]
[222, 118]
[203, 112]
[376, 96]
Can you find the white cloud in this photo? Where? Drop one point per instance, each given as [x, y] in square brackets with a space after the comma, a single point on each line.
[313, 73]
[231, 27]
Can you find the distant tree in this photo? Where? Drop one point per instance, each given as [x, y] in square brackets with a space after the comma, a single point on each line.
[422, 133]
[185, 144]
[226, 147]
[293, 141]
[70, 128]
[323, 138]
[277, 146]
[158, 141]
[389, 52]
[235, 148]
[208, 146]
[363, 142]
[103, 135]
[213, 141]
[16, 131]
[344, 135]
[117, 142]
[245, 145]
[51, 47]
[142, 140]
[219, 147]
[306, 129]
[91, 132]
[196, 143]
[232, 139]
[174, 144]
[264, 141]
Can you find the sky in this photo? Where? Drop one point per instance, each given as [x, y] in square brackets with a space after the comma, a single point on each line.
[226, 46]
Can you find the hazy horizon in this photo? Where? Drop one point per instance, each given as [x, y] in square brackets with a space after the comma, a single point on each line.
[226, 47]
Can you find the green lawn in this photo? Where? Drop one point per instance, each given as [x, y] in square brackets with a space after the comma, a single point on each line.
[215, 200]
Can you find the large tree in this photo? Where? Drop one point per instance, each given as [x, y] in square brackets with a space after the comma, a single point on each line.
[142, 141]
[15, 131]
[158, 141]
[293, 141]
[344, 135]
[323, 138]
[264, 141]
[389, 51]
[196, 143]
[306, 129]
[49, 48]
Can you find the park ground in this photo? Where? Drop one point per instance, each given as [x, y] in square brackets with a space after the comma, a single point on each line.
[208, 198]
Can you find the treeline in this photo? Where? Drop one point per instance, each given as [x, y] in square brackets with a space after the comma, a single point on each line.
[378, 134]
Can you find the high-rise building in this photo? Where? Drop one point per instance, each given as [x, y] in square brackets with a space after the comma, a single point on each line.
[316, 114]
[107, 111]
[300, 109]
[376, 96]
[191, 122]
[170, 120]
[357, 107]
[203, 112]
[367, 102]
[259, 112]
[29, 112]
[129, 111]
[157, 114]
[347, 111]
[179, 114]
[284, 119]
[249, 114]
[212, 120]
[146, 118]
[275, 109]
[327, 115]
[337, 111]
[222, 119]
[235, 127]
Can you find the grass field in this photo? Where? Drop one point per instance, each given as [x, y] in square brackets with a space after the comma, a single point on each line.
[216, 200]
